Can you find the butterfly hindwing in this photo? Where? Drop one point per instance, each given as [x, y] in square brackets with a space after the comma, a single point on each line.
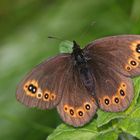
[113, 90]
[43, 86]
[77, 106]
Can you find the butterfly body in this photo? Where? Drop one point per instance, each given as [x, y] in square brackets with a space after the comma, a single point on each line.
[77, 83]
[81, 64]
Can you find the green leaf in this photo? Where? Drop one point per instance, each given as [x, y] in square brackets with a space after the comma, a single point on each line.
[64, 132]
[131, 124]
[66, 46]
[105, 117]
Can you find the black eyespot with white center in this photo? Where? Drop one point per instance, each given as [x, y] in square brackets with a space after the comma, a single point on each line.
[87, 106]
[122, 93]
[71, 112]
[116, 100]
[106, 101]
[46, 96]
[133, 63]
[138, 48]
[32, 88]
[80, 113]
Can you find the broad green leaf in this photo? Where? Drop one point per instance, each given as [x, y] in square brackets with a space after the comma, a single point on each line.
[106, 117]
[65, 46]
[131, 124]
[64, 132]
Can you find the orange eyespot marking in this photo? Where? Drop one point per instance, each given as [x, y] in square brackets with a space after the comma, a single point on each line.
[133, 62]
[66, 108]
[93, 100]
[138, 48]
[128, 68]
[106, 100]
[123, 86]
[46, 95]
[53, 96]
[135, 46]
[80, 112]
[71, 112]
[87, 106]
[136, 56]
[39, 94]
[115, 100]
[122, 93]
[31, 88]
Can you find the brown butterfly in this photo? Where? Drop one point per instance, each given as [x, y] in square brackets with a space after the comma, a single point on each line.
[78, 83]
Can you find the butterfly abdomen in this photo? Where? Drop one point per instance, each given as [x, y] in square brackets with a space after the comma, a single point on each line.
[87, 79]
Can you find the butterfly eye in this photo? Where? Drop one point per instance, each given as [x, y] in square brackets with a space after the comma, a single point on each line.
[138, 48]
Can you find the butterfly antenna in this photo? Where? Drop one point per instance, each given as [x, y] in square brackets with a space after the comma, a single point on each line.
[56, 38]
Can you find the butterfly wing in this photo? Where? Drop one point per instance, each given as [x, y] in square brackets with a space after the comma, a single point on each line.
[43, 86]
[113, 60]
[77, 106]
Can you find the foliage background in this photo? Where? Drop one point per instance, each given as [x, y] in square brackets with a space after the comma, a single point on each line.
[24, 28]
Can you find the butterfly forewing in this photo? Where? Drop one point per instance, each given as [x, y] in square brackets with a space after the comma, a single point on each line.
[43, 86]
[119, 52]
[113, 60]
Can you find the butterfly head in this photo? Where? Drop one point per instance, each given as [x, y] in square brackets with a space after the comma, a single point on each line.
[78, 54]
[76, 48]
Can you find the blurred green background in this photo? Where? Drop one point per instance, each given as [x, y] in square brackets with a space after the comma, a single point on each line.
[24, 28]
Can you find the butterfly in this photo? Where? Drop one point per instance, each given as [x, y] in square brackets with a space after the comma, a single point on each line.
[78, 83]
